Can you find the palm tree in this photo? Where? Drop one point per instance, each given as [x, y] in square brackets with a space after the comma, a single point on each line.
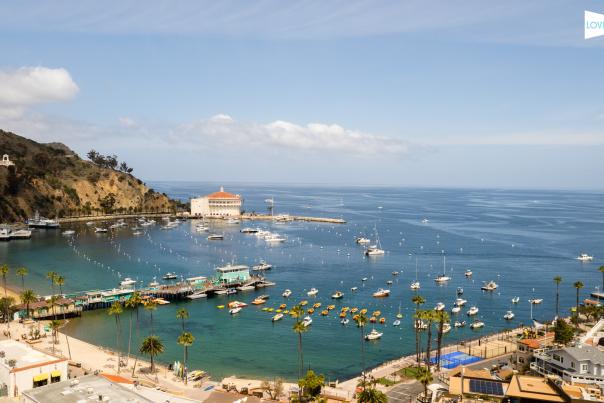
[417, 300]
[424, 376]
[55, 325]
[132, 304]
[152, 346]
[116, 310]
[578, 285]
[601, 269]
[429, 316]
[51, 275]
[182, 314]
[361, 321]
[22, 271]
[299, 328]
[27, 297]
[151, 306]
[53, 303]
[60, 281]
[4, 272]
[186, 340]
[370, 394]
[442, 317]
[557, 280]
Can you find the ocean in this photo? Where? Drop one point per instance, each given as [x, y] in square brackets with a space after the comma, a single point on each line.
[518, 238]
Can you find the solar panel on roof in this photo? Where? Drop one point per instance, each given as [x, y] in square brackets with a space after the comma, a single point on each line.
[486, 387]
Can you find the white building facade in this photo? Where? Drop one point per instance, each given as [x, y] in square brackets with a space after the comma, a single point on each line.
[23, 368]
[581, 364]
[218, 204]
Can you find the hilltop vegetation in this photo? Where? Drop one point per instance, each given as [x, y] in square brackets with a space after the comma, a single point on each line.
[54, 180]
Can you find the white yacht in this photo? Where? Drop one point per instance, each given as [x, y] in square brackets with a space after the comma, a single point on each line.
[99, 230]
[170, 276]
[425, 221]
[197, 295]
[154, 283]
[490, 286]
[20, 234]
[287, 293]
[262, 266]
[472, 311]
[536, 301]
[455, 309]
[127, 282]
[68, 232]
[380, 293]
[307, 321]
[41, 222]
[415, 285]
[396, 323]
[353, 289]
[373, 335]
[460, 323]
[232, 221]
[345, 321]
[477, 324]
[460, 302]
[439, 306]
[337, 295]
[468, 273]
[584, 257]
[248, 230]
[446, 328]
[362, 241]
[277, 317]
[515, 300]
[4, 234]
[235, 310]
[509, 315]
[375, 250]
[313, 291]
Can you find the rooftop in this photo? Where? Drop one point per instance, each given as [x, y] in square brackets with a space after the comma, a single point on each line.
[25, 356]
[531, 387]
[585, 352]
[539, 341]
[86, 388]
[223, 195]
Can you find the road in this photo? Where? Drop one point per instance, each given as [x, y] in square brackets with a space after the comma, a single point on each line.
[405, 392]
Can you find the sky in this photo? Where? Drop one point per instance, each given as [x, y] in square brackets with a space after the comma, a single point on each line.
[404, 93]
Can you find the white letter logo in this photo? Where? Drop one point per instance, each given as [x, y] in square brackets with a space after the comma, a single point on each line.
[594, 24]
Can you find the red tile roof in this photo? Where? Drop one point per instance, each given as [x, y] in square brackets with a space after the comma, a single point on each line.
[223, 195]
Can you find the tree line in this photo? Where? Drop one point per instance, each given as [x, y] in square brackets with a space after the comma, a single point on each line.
[108, 161]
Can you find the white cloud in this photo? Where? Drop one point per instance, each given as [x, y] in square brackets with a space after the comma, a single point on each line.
[524, 139]
[222, 130]
[28, 86]
[127, 122]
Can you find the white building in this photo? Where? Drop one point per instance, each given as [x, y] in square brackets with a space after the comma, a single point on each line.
[218, 204]
[581, 364]
[6, 162]
[23, 368]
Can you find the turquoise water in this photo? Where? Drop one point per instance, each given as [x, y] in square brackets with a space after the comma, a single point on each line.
[520, 239]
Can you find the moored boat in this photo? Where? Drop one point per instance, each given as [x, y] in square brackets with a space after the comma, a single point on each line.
[381, 293]
[373, 335]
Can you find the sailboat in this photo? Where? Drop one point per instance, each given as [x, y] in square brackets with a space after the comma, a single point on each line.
[415, 285]
[399, 315]
[443, 278]
[375, 250]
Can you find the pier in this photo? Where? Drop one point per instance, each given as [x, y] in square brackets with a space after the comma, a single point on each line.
[286, 218]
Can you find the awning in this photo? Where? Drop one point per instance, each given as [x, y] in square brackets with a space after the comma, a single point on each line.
[55, 373]
[40, 377]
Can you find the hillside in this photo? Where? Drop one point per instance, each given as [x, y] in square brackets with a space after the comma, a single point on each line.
[54, 180]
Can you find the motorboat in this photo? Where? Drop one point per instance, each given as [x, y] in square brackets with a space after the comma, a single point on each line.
[68, 232]
[468, 273]
[337, 295]
[415, 285]
[472, 311]
[154, 283]
[395, 273]
[41, 222]
[362, 241]
[249, 230]
[425, 221]
[439, 306]
[4, 234]
[262, 266]
[460, 323]
[313, 291]
[381, 292]
[459, 291]
[509, 315]
[259, 301]
[287, 293]
[90, 223]
[161, 301]
[137, 233]
[277, 317]
[307, 321]
[515, 300]
[455, 309]
[275, 238]
[353, 289]
[202, 228]
[389, 282]
[197, 295]
[236, 304]
[446, 328]
[100, 230]
[235, 310]
[231, 291]
[536, 301]
[477, 324]
[584, 257]
[373, 335]
[345, 321]
[460, 302]
[127, 282]
[170, 276]
[490, 286]
[364, 279]
[246, 288]
[232, 221]
[215, 237]
[396, 323]
[20, 234]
